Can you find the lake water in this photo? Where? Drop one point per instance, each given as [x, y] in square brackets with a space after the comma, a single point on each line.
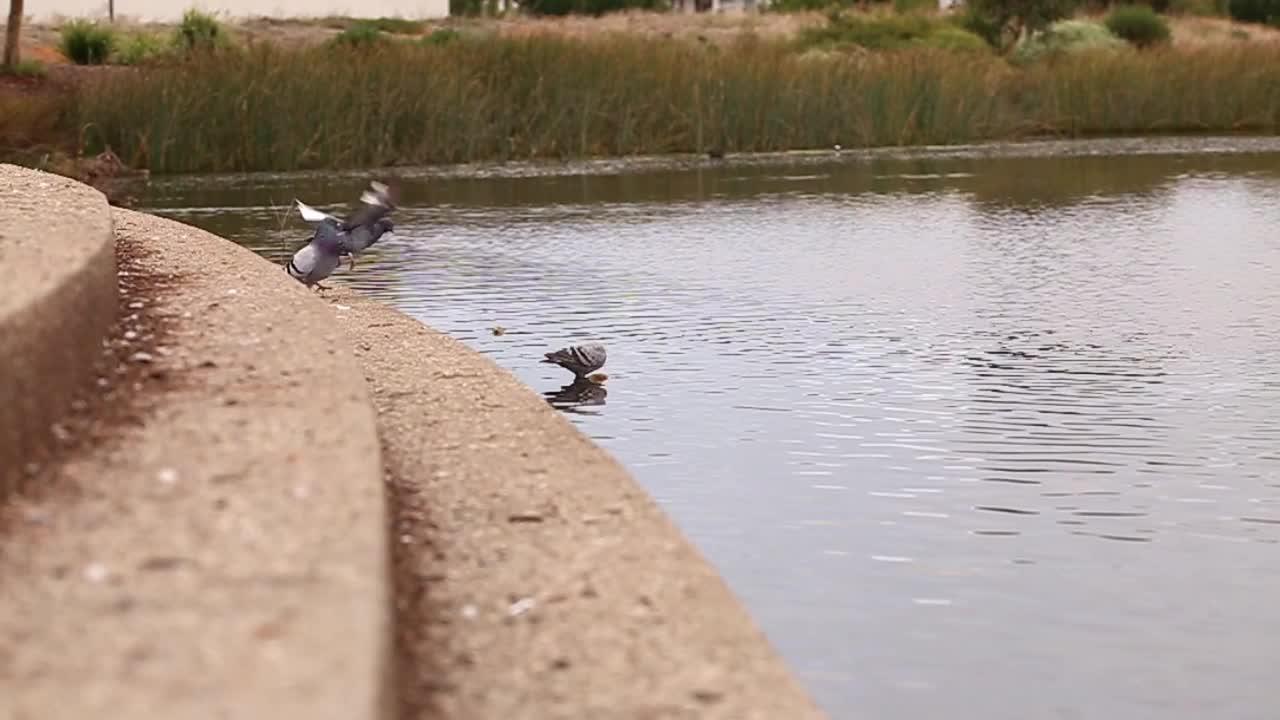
[986, 433]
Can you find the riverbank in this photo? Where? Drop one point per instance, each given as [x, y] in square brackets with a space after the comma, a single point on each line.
[282, 96]
[208, 544]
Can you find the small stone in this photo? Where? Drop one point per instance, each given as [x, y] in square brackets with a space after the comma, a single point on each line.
[708, 696]
[136, 305]
[521, 606]
[233, 291]
[300, 492]
[130, 335]
[470, 612]
[31, 468]
[168, 476]
[60, 433]
[96, 572]
[406, 539]
[141, 357]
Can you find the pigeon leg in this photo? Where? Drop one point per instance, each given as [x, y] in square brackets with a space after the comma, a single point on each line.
[351, 262]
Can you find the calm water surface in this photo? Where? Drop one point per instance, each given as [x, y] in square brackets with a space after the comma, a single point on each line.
[975, 434]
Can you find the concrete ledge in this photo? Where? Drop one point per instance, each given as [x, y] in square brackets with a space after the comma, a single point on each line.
[534, 578]
[223, 554]
[58, 274]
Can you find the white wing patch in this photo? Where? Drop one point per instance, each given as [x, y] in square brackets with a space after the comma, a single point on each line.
[311, 214]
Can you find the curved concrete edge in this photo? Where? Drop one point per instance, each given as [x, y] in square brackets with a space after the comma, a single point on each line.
[58, 272]
[227, 557]
[534, 577]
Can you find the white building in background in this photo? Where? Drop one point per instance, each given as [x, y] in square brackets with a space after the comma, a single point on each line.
[170, 10]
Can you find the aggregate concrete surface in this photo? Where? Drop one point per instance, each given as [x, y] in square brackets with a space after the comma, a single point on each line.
[224, 556]
[534, 579]
[57, 271]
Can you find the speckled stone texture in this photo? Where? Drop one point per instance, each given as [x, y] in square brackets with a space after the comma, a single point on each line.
[534, 578]
[57, 299]
[219, 550]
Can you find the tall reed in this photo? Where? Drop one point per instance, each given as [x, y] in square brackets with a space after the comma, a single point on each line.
[274, 109]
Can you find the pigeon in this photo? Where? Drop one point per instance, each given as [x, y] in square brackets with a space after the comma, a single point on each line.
[316, 260]
[369, 222]
[581, 360]
[334, 238]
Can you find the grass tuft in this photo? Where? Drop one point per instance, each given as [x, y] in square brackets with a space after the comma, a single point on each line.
[87, 43]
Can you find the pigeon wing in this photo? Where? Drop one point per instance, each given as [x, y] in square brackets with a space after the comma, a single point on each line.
[374, 204]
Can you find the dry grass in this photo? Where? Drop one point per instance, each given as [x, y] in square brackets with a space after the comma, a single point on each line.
[41, 40]
[539, 97]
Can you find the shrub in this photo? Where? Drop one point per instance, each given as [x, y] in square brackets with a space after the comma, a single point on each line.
[25, 69]
[589, 7]
[914, 6]
[441, 36]
[890, 31]
[199, 31]
[1014, 18]
[1202, 8]
[871, 31]
[1138, 24]
[140, 48]
[399, 26]
[1254, 11]
[86, 43]
[361, 34]
[1067, 36]
[980, 25]
[466, 8]
[949, 37]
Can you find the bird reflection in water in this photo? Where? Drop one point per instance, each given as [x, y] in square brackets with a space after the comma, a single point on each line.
[580, 393]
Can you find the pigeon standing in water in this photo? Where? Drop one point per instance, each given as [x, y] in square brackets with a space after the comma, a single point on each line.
[334, 238]
[581, 360]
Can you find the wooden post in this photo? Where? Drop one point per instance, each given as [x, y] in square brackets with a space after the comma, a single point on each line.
[111, 10]
[12, 34]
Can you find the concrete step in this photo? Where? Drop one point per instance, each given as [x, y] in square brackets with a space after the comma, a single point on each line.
[211, 541]
[57, 268]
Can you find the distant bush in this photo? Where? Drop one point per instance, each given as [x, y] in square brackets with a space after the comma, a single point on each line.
[1012, 19]
[399, 26]
[1138, 24]
[984, 27]
[86, 43]
[786, 6]
[199, 31]
[1160, 6]
[890, 31]
[25, 69]
[949, 37]
[441, 36]
[360, 34]
[1201, 8]
[590, 7]
[141, 48]
[1067, 36]
[914, 6]
[466, 8]
[1254, 11]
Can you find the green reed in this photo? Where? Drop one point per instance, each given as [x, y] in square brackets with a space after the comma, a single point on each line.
[267, 108]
